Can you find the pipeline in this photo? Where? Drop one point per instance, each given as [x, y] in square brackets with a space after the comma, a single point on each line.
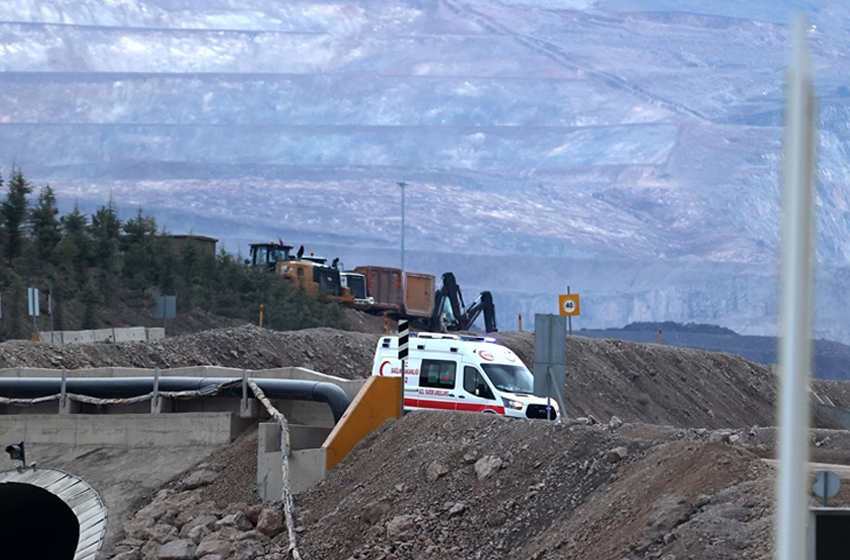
[123, 390]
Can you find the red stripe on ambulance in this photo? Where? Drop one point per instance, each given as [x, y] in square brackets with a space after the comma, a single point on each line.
[446, 405]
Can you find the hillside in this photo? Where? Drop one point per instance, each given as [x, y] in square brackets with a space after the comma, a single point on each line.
[683, 476]
[627, 148]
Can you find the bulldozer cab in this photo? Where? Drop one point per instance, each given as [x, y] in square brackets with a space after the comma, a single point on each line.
[269, 254]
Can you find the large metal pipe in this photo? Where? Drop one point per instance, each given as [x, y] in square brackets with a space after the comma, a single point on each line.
[126, 387]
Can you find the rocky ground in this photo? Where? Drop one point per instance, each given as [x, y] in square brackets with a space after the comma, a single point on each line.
[666, 457]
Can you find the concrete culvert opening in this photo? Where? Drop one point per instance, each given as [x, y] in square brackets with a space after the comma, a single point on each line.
[35, 523]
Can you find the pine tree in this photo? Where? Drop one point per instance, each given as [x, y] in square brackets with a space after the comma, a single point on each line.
[14, 210]
[44, 225]
[139, 266]
[105, 232]
[73, 252]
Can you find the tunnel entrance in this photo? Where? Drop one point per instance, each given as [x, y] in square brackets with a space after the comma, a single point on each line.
[35, 523]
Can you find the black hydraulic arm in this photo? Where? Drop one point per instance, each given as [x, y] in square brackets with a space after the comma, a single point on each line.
[483, 304]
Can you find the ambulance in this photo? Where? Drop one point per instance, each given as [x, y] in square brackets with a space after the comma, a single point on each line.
[452, 372]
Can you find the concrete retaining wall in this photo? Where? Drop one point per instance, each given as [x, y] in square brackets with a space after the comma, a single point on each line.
[128, 334]
[306, 466]
[126, 430]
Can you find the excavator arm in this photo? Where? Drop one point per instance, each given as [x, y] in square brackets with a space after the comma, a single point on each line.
[460, 318]
[483, 304]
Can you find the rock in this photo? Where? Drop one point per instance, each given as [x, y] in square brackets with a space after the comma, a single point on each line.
[150, 550]
[234, 507]
[163, 533]
[253, 512]
[183, 549]
[184, 500]
[213, 546]
[271, 522]
[252, 534]
[720, 435]
[169, 518]
[134, 554]
[188, 515]
[398, 526]
[435, 470]
[129, 543]
[486, 466]
[154, 510]
[616, 455]
[668, 513]
[246, 550]
[237, 520]
[374, 512]
[197, 533]
[198, 479]
[469, 459]
[206, 521]
[497, 519]
[138, 528]
[614, 423]
[457, 509]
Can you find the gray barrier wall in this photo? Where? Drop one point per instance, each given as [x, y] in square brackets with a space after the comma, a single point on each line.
[127, 334]
[127, 430]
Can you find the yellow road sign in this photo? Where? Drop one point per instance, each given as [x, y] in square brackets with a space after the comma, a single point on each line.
[568, 304]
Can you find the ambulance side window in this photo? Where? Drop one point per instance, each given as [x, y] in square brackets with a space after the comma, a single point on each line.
[439, 374]
[474, 384]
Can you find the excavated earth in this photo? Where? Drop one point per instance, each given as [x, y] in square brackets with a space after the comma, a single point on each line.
[666, 455]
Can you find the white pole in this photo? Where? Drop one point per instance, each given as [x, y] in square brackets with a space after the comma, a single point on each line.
[795, 306]
[402, 184]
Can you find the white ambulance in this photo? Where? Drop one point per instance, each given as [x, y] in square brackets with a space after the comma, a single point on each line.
[451, 372]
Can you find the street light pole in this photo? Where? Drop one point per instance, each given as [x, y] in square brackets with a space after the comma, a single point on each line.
[402, 184]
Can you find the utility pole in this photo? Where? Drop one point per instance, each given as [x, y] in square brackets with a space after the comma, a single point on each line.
[402, 184]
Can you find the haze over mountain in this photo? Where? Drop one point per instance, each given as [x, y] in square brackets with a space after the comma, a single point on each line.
[629, 149]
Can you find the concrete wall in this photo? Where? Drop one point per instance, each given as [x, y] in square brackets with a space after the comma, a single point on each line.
[129, 334]
[306, 466]
[379, 400]
[269, 462]
[127, 430]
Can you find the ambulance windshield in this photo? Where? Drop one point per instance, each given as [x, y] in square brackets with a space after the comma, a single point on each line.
[511, 379]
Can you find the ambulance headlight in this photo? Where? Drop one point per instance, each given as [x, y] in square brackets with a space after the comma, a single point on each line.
[510, 403]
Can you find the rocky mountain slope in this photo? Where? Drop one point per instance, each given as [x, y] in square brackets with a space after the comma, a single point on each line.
[633, 145]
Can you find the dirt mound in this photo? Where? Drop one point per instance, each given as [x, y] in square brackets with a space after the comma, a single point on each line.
[454, 485]
[659, 384]
[636, 382]
[344, 354]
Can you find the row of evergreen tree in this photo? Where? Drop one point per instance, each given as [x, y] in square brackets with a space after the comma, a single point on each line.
[102, 271]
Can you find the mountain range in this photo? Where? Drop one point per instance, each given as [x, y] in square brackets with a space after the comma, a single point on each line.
[627, 149]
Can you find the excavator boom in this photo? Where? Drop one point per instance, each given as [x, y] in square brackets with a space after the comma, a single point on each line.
[455, 316]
